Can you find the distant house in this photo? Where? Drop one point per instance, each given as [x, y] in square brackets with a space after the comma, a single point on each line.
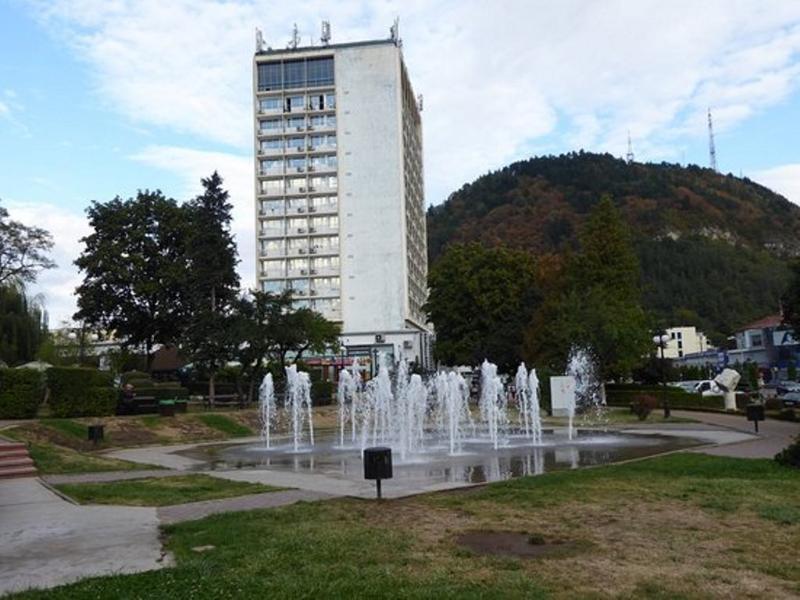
[685, 340]
[767, 343]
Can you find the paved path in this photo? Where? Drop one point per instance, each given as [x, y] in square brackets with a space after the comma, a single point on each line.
[46, 541]
[773, 435]
[198, 510]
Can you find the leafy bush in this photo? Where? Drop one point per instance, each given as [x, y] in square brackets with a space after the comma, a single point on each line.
[322, 392]
[135, 376]
[20, 393]
[788, 414]
[80, 392]
[643, 406]
[790, 456]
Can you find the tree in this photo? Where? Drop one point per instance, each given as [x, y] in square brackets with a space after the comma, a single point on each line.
[22, 326]
[211, 282]
[480, 301]
[597, 302]
[791, 299]
[270, 329]
[134, 268]
[23, 250]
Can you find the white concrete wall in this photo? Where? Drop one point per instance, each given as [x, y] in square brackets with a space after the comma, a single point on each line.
[371, 213]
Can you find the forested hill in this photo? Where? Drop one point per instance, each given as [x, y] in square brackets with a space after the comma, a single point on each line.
[713, 247]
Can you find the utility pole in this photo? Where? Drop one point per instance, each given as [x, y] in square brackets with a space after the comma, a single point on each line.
[629, 155]
[712, 151]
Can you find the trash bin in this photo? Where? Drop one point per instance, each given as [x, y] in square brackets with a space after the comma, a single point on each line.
[166, 408]
[96, 433]
[181, 406]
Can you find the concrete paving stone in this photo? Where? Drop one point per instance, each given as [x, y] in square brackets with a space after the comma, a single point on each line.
[46, 541]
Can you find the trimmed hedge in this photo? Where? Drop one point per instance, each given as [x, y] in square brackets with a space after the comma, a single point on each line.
[80, 392]
[20, 393]
[624, 395]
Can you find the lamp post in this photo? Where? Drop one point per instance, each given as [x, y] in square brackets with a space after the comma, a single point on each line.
[661, 341]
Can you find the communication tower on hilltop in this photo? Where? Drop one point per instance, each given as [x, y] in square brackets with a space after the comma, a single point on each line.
[629, 155]
[712, 151]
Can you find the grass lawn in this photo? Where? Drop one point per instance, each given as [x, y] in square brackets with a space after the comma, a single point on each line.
[52, 460]
[620, 416]
[678, 526]
[225, 425]
[161, 491]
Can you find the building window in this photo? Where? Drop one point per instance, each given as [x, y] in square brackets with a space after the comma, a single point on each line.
[756, 341]
[297, 143]
[272, 104]
[274, 144]
[269, 76]
[273, 287]
[294, 74]
[330, 100]
[272, 207]
[296, 123]
[320, 71]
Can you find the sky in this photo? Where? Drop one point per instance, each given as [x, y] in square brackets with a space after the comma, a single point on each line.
[100, 98]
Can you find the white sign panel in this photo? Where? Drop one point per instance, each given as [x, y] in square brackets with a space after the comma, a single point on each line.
[562, 394]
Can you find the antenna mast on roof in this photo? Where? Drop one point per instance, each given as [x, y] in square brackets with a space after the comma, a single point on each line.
[295, 41]
[712, 151]
[394, 32]
[325, 38]
[259, 40]
[629, 155]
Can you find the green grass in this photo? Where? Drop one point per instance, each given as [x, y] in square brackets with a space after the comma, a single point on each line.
[52, 460]
[225, 425]
[161, 491]
[67, 427]
[648, 516]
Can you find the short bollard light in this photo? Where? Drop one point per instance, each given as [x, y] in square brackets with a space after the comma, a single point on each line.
[95, 433]
[378, 465]
[755, 413]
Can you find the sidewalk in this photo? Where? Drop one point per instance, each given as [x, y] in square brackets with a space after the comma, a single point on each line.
[46, 541]
[773, 435]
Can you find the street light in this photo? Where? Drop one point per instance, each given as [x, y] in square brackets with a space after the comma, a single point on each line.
[661, 341]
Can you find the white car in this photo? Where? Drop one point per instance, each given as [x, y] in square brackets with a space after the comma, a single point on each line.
[708, 387]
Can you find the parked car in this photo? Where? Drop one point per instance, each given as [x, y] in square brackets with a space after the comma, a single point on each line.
[791, 400]
[708, 388]
[686, 386]
[784, 387]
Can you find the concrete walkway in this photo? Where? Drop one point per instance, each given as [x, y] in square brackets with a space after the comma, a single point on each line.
[773, 435]
[46, 541]
[197, 510]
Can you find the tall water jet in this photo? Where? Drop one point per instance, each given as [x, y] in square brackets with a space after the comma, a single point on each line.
[298, 405]
[534, 410]
[412, 403]
[345, 395]
[267, 407]
[493, 402]
[582, 366]
[453, 417]
[523, 398]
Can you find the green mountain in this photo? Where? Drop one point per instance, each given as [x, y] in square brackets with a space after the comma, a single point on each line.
[713, 248]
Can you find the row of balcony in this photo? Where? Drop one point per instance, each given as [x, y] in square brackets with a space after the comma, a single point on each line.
[299, 251]
[295, 150]
[282, 171]
[286, 128]
[289, 273]
[302, 190]
[267, 232]
[298, 210]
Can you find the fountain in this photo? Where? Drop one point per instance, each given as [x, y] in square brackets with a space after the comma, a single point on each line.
[298, 404]
[453, 416]
[582, 366]
[431, 428]
[493, 403]
[268, 410]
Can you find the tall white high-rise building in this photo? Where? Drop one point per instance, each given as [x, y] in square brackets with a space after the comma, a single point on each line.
[340, 207]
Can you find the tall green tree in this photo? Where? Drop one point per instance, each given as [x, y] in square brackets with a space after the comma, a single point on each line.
[211, 280]
[791, 299]
[23, 250]
[23, 325]
[597, 303]
[480, 302]
[134, 270]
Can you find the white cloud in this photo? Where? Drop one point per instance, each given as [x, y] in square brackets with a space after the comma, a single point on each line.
[495, 79]
[784, 179]
[237, 172]
[67, 228]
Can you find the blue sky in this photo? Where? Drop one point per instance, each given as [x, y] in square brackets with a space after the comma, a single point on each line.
[101, 97]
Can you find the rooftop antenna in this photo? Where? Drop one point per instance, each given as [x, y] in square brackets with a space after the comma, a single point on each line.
[295, 41]
[629, 155]
[325, 38]
[259, 40]
[712, 151]
[419, 102]
[394, 32]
